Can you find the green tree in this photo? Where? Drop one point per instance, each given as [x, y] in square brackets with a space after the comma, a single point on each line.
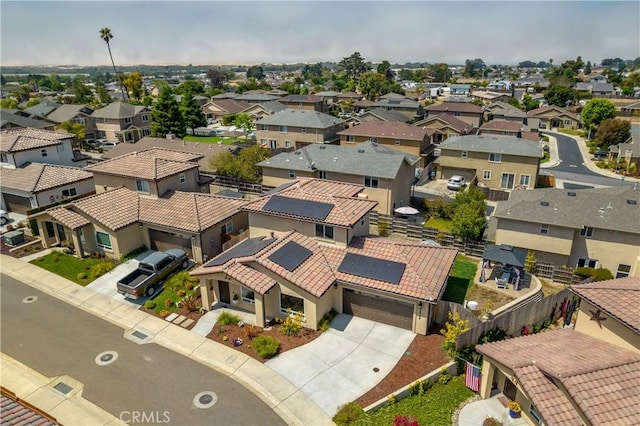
[133, 83]
[587, 68]
[81, 93]
[596, 111]
[469, 213]
[166, 116]
[217, 77]
[514, 102]
[106, 36]
[528, 103]
[353, 66]
[9, 103]
[194, 86]
[452, 329]
[73, 128]
[103, 94]
[243, 166]
[373, 84]
[32, 102]
[613, 131]
[559, 95]
[255, 71]
[384, 68]
[192, 113]
[244, 122]
[23, 93]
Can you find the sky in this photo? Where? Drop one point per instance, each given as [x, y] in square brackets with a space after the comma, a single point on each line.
[244, 32]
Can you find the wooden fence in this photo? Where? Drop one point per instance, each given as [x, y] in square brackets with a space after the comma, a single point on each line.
[494, 194]
[558, 273]
[237, 184]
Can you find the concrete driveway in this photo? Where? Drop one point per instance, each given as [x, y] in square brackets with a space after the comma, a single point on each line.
[106, 284]
[337, 367]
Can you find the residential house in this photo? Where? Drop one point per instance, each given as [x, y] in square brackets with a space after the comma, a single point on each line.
[393, 134]
[387, 174]
[538, 82]
[465, 111]
[295, 128]
[585, 376]
[200, 100]
[402, 104]
[346, 96]
[503, 111]
[629, 152]
[500, 162]
[553, 116]
[151, 172]
[15, 119]
[216, 109]
[118, 221]
[596, 89]
[42, 109]
[502, 128]
[391, 281]
[488, 96]
[34, 185]
[631, 109]
[78, 114]
[122, 122]
[225, 95]
[21, 146]
[440, 127]
[327, 210]
[380, 114]
[256, 98]
[261, 110]
[310, 102]
[459, 89]
[596, 227]
[329, 96]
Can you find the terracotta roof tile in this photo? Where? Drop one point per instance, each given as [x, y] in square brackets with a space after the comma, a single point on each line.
[37, 177]
[26, 139]
[145, 165]
[66, 216]
[456, 123]
[507, 125]
[619, 298]
[467, 107]
[114, 209]
[255, 280]
[387, 129]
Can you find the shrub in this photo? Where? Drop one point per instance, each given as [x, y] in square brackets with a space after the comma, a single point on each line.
[227, 318]
[9, 228]
[168, 303]
[150, 304]
[325, 321]
[420, 387]
[181, 293]
[292, 325]
[383, 228]
[102, 268]
[602, 274]
[405, 421]
[348, 414]
[491, 421]
[265, 346]
[444, 377]
[584, 272]
[250, 331]
[190, 302]
[164, 313]
[189, 285]
[81, 276]
[514, 406]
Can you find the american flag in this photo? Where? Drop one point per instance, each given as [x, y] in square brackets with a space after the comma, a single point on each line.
[472, 377]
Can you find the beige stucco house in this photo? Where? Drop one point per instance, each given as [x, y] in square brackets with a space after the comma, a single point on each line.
[308, 102]
[499, 162]
[441, 127]
[287, 272]
[28, 145]
[597, 227]
[386, 175]
[216, 109]
[465, 111]
[553, 116]
[585, 376]
[122, 122]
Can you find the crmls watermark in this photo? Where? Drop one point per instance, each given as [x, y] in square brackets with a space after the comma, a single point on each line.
[132, 417]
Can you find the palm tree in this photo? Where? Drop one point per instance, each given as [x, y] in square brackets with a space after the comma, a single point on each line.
[105, 34]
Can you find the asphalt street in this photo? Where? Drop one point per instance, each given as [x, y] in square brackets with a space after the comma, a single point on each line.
[55, 339]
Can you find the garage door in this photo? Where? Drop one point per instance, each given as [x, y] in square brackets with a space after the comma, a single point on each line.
[383, 310]
[162, 241]
[468, 175]
[17, 204]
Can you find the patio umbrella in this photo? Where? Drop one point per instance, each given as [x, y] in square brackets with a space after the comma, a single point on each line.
[406, 210]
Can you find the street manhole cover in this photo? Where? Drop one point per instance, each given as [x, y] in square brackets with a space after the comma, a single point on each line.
[29, 299]
[376, 369]
[106, 358]
[205, 399]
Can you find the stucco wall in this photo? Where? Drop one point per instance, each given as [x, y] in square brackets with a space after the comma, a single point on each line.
[610, 248]
[81, 187]
[263, 225]
[173, 182]
[612, 331]
[61, 154]
[527, 235]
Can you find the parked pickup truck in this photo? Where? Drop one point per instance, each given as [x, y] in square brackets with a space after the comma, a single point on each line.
[151, 270]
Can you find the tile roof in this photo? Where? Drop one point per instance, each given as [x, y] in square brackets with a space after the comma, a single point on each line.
[323, 186]
[37, 177]
[68, 112]
[232, 106]
[69, 218]
[421, 279]
[456, 123]
[600, 208]
[503, 108]
[43, 108]
[151, 164]
[26, 139]
[345, 211]
[602, 380]
[387, 115]
[14, 120]
[364, 159]
[508, 145]
[619, 298]
[556, 109]
[269, 107]
[301, 98]
[118, 110]
[16, 412]
[455, 107]
[507, 125]
[387, 129]
[397, 103]
[300, 118]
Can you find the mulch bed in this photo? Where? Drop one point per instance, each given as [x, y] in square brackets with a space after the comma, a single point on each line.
[194, 315]
[25, 251]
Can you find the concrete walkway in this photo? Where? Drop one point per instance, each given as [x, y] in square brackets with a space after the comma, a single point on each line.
[289, 402]
[475, 413]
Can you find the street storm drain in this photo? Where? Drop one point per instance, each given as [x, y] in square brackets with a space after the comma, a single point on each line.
[29, 299]
[63, 388]
[139, 334]
[106, 358]
[205, 399]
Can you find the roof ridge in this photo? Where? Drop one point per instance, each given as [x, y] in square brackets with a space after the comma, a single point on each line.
[35, 182]
[195, 206]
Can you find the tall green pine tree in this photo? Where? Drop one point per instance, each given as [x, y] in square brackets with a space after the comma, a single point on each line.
[166, 116]
[192, 112]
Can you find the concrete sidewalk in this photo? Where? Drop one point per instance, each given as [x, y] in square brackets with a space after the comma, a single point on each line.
[289, 402]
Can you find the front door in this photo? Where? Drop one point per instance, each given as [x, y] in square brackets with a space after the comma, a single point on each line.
[61, 233]
[509, 390]
[223, 287]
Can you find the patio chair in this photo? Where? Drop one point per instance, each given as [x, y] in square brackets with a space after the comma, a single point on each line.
[501, 283]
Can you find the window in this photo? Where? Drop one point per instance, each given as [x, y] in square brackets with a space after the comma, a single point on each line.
[182, 178]
[144, 118]
[248, 296]
[525, 180]
[50, 232]
[81, 234]
[103, 240]
[324, 231]
[142, 185]
[287, 144]
[273, 144]
[623, 271]
[322, 174]
[544, 229]
[71, 192]
[283, 129]
[535, 416]
[263, 142]
[127, 120]
[370, 182]
[52, 199]
[456, 114]
[465, 154]
[373, 140]
[4, 158]
[146, 132]
[264, 127]
[291, 304]
[227, 228]
[586, 262]
[351, 138]
[507, 180]
[486, 175]
[568, 122]
[43, 152]
[495, 158]
[303, 130]
[397, 142]
[586, 231]
[292, 174]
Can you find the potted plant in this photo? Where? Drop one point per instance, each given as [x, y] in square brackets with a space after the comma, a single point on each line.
[234, 299]
[514, 409]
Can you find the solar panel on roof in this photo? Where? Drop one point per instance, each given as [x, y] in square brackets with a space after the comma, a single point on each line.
[296, 207]
[248, 247]
[290, 256]
[372, 267]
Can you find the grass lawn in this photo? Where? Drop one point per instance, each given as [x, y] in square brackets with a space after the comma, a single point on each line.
[210, 139]
[460, 279]
[435, 407]
[545, 159]
[441, 224]
[177, 282]
[80, 271]
[573, 132]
